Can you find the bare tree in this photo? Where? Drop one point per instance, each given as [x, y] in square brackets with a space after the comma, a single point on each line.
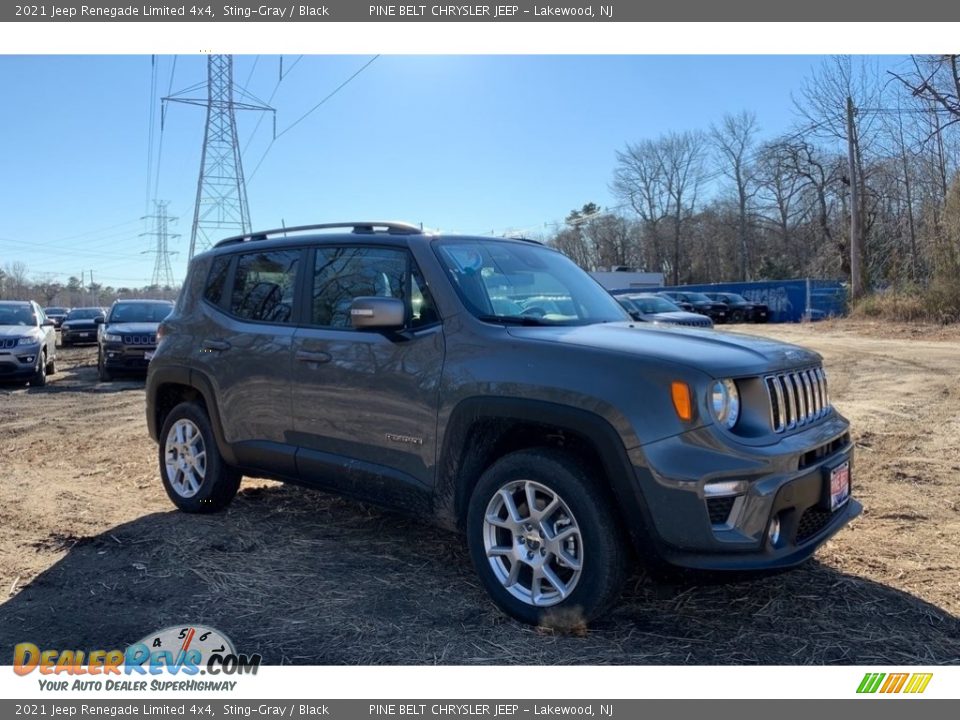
[640, 181]
[17, 282]
[833, 100]
[683, 162]
[733, 139]
[935, 78]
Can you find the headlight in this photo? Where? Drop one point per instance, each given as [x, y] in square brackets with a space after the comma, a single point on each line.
[65, 326]
[28, 340]
[725, 402]
[112, 337]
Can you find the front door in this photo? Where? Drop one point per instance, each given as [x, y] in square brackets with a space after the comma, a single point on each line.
[365, 401]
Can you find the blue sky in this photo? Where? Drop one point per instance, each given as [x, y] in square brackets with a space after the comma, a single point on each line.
[461, 143]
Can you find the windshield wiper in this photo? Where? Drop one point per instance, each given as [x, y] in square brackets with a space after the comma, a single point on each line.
[515, 320]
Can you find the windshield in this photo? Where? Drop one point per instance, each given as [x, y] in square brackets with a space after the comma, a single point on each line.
[84, 313]
[697, 297]
[55, 311]
[649, 304]
[525, 283]
[139, 312]
[17, 315]
[734, 298]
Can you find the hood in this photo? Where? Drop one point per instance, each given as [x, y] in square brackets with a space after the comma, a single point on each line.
[133, 328]
[8, 331]
[715, 353]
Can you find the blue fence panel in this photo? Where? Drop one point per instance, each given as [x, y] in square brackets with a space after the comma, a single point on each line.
[788, 300]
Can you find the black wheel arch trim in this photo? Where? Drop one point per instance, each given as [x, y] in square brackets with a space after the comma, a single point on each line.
[631, 507]
[180, 375]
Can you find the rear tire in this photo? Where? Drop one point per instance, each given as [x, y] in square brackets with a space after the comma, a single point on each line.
[565, 560]
[195, 475]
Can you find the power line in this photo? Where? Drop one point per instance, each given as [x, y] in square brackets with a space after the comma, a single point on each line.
[290, 127]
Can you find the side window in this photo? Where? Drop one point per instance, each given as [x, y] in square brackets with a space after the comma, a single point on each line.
[263, 286]
[217, 279]
[341, 274]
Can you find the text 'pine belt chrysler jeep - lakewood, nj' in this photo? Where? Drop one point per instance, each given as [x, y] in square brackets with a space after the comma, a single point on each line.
[493, 387]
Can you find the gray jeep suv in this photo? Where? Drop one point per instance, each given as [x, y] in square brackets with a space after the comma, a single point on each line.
[413, 370]
[28, 343]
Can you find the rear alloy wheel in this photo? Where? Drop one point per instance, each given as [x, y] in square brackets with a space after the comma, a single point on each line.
[737, 316]
[543, 538]
[39, 378]
[194, 473]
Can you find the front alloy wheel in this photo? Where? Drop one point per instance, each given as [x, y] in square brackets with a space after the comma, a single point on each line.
[533, 543]
[544, 538]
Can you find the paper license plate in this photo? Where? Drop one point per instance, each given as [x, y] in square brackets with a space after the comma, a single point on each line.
[839, 485]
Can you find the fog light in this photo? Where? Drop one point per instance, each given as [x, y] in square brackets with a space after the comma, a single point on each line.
[773, 534]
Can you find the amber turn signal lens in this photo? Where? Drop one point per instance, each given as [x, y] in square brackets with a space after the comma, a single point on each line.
[680, 392]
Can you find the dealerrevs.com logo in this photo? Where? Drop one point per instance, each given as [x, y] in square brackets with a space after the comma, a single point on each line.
[893, 683]
[180, 651]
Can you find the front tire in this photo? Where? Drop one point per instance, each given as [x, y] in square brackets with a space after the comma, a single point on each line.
[544, 539]
[194, 473]
[104, 374]
[39, 378]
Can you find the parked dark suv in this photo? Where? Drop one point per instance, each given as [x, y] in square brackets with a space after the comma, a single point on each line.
[741, 309]
[129, 336]
[699, 303]
[401, 367]
[80, 326]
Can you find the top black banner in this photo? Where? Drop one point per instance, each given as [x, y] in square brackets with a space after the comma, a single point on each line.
[562, 11]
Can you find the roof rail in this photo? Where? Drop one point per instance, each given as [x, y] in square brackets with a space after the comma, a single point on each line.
[397, 228]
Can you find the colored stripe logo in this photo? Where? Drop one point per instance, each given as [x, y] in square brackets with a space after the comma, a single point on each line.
[911, 683]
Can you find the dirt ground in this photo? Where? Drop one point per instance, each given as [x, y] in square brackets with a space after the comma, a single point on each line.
[92, 554]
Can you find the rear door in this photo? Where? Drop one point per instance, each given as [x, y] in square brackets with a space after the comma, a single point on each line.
[245, 352]
[365, 401]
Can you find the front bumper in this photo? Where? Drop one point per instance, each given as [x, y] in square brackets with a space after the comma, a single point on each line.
[18, 363]
[79, 335]
[785, 480]
[127, 358]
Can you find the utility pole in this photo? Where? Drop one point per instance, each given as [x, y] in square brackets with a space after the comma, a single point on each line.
[856, 276]
[162, 272]
[221, 206]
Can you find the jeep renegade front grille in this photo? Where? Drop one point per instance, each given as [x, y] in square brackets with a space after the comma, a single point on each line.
[797, 398]
[140, 339]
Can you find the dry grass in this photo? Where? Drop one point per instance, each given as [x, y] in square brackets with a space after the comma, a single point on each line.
[94, 555]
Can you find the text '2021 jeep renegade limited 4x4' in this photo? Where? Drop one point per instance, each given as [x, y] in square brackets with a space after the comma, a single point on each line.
[418, 371]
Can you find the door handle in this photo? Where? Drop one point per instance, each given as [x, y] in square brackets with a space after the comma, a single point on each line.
[214, 345]
[313, 357]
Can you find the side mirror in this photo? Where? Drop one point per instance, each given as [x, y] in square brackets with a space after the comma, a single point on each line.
[377, 312]
[99, 319]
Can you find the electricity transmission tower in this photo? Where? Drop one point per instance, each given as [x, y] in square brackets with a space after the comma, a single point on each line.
[221, 206]
[162, 272]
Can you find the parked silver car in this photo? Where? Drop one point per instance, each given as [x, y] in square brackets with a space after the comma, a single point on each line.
[28, 343]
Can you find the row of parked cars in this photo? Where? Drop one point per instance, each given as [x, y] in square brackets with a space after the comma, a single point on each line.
[125, 335]
[692, 309]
